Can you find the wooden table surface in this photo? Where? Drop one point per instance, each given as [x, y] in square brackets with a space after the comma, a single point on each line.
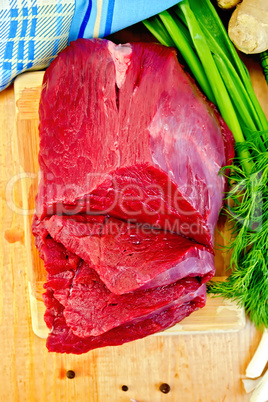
[200, 367]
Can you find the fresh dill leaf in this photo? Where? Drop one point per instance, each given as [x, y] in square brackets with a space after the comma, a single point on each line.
[247, 208]
[248, 284]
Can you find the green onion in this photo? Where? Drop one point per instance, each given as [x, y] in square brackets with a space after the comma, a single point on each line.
[188, 53]
[223, 100]
[203, 43]
[221, 44]
[159, 31]
[264, 64]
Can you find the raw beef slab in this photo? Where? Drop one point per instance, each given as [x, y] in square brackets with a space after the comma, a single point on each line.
[129, 193]
[125, 132]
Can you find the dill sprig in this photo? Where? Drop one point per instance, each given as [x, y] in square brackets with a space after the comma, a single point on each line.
[247, 209]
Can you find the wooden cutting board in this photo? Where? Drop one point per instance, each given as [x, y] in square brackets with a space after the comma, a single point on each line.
[219, 315]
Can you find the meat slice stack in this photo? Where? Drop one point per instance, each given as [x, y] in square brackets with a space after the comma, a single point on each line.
[129, 194]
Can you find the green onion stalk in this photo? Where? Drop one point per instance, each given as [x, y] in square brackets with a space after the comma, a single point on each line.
[195, 29]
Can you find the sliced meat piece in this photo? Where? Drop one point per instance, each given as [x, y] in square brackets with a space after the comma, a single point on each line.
[63, 340]
[129, 256]
[90, 309]
[124, 149]
[134, 256]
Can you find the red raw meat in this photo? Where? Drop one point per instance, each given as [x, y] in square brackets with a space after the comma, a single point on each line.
[89, 307]
[80, 301]
[129, 256]
[138, 142]
[63, 340]
[129, 193]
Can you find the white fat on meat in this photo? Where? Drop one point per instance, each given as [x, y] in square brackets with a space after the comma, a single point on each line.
[121, 55]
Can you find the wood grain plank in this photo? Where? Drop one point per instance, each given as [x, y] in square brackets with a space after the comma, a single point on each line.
[218, 315]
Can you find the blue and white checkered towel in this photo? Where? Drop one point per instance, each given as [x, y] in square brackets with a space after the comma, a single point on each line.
[33, 32]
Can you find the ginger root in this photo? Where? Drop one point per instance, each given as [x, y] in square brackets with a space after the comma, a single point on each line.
[248, 26]
[227, 4]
